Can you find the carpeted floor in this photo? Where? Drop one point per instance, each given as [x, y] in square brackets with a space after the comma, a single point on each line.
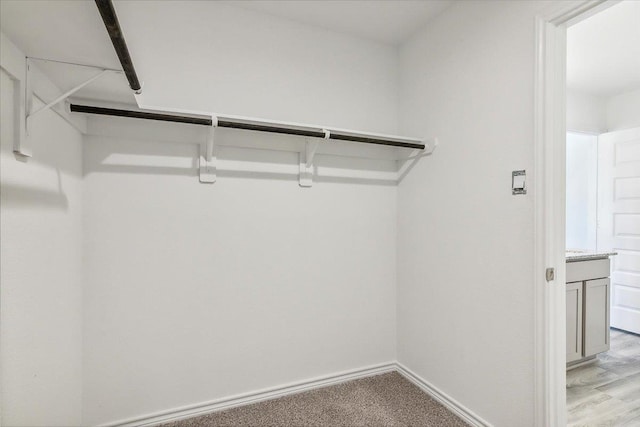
[382, 400]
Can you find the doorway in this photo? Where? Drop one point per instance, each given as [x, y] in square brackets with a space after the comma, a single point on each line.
[602, 308]
[603, 218]
[550, 172]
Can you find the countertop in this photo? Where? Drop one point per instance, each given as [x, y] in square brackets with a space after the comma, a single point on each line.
[573, 256]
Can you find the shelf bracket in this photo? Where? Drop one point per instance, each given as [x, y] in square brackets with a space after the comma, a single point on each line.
[306, 159]
[24, 98]
[405, 165]
[29, 94]
[207, 163]
[14, 64]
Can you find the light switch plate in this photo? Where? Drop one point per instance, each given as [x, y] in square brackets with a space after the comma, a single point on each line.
[519, 182]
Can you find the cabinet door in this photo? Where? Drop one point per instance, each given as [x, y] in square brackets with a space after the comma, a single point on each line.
[596, 316]
[574, 321]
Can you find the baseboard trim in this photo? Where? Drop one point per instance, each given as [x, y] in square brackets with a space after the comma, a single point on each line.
[252, 397]
[447, 401]
[579, 363]
[288, 389]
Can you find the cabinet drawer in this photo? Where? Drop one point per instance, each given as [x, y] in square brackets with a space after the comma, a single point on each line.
[586, 270]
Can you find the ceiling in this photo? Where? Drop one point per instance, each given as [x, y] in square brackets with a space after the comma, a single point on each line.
[603, 51]
[386, 21]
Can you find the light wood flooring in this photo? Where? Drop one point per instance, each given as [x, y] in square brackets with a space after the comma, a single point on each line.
[607, 392]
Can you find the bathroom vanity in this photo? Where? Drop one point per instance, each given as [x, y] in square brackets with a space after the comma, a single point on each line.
[588, 289]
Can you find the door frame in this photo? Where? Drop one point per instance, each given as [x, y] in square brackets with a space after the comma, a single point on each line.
[549, 204]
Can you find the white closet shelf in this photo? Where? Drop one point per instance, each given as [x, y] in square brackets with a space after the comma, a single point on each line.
[243, 123]
[317, 139]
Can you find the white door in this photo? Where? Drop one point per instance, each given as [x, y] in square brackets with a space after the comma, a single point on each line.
[619, 222]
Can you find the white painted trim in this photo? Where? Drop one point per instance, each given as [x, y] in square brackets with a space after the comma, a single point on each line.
[549, 386]
[447, 401]
[549, 205]
[14, 63]
[579, 363]
[252, 397]
[204, 408]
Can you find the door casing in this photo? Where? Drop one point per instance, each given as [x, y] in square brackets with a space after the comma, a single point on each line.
[549, 204]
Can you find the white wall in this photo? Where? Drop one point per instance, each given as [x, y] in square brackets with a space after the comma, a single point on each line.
[41, 287]
[582, 191]
[592, 114]
[197, 292]
[586, 113]
[465, 244]
[243, 62]
[623, 111]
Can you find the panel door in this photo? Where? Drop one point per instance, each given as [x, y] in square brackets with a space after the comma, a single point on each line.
[619, 222]
[574, 321]
[596, 316]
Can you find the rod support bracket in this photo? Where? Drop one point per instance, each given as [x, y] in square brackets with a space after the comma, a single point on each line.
[306, 159]
[23, 148]
[207, 161]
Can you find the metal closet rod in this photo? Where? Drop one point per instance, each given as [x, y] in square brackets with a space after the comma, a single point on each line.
[226, 123]
[110, 20]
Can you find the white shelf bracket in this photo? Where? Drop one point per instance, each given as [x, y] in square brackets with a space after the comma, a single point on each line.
[28, 93]
[306, 160]
[306, 173]
[24, 100]
[408, 163]
[31, 115]
[207, 163]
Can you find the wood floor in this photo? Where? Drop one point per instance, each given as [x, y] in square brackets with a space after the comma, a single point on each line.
[607, 392]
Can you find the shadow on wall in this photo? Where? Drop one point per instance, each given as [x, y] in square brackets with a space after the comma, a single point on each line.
[133, 156]
[20, 196]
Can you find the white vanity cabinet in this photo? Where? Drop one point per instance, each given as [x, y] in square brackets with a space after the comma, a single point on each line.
[574, 321]
[587, 308]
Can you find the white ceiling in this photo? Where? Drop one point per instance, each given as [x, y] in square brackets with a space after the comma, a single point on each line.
[386, 21]
[603, 51]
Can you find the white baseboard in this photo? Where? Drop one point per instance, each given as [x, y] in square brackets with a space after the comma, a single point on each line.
[577, 364]
[252, 397]
[447, 401]
[299, 387]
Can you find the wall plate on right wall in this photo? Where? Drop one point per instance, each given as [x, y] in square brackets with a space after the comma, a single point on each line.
[519, 182]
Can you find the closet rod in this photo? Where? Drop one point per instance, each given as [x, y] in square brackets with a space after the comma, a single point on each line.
[88, 109]
[110, 20]
[229, 123]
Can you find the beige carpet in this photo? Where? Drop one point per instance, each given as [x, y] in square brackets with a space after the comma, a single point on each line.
[382, 400]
